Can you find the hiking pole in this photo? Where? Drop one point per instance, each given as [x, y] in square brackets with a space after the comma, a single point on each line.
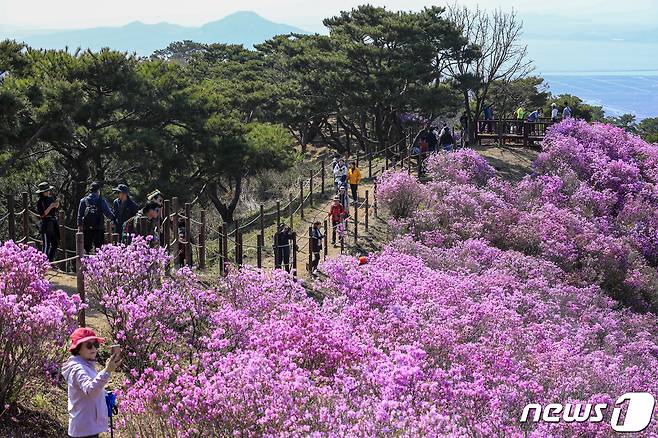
[111, 402]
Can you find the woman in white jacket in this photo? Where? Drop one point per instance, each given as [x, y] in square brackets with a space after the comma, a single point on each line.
[86, 388]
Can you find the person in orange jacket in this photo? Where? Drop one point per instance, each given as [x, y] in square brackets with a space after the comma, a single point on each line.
[354, 177]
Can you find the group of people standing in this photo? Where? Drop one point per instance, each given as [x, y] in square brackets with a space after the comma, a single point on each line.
[338, 214]
[124, 213]
[432, 139]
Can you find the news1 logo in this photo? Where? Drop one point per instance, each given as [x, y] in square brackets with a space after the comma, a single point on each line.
[639, 412]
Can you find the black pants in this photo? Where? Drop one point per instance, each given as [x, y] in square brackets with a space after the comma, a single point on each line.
[284, 258]
[354, 188]
[94, 238]
[50, 239]
[316, 259]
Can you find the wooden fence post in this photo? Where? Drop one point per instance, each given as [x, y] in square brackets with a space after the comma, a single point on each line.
[224, 247]
[80, 251]
[290, 209]
[259, 251]
[323, 170]
[175, 249]
[240, 250]
[11, 206]
[294, 254]
[326, 240]
[188, 234]
[309, 268]
[237, 242]
[374, 195]
[202, 241]
[108, 231]
[26, 219]
[367, 208]
[166, 225]
[370, 165]
[262, 221]
[356, 223]
[275, 247]
[278, 215]
[342, 243]
[301, 199]
[310, 187]
[409, 161]
[386, 159]
[62, 237]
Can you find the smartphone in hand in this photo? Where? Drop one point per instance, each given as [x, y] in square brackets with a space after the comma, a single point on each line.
[115, 350]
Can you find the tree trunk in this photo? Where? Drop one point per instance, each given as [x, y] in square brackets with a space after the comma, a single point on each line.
[226, 211]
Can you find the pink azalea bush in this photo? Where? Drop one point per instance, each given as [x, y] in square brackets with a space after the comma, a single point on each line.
[399, 193]
[147, 312]
[35, 322]
[421, 341]
[590, 207]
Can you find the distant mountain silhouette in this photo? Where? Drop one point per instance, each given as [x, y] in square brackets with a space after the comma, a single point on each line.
[246, 28]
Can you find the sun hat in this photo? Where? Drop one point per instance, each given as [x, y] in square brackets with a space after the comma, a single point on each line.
[82, 335]
[336, 198]
[44, 187]
[121, 188]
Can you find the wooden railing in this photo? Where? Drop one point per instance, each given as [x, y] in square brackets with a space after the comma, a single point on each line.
[512, 130]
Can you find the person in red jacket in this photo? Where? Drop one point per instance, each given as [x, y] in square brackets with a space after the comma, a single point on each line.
[337, 214]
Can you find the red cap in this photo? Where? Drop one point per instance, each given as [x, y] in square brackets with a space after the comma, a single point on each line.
[363, 260]
[81, 335]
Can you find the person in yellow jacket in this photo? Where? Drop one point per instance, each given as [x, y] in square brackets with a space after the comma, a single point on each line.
[354, 177]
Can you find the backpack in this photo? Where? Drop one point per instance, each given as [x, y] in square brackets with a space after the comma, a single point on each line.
[92, 216]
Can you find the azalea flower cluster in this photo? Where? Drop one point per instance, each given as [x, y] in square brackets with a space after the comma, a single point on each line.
[420, 341]
[35, 322]
[147, 312]
[590, 207]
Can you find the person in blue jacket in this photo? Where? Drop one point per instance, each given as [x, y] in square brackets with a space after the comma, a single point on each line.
[91, 210]
[124, 208]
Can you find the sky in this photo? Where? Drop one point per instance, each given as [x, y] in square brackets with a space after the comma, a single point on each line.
[308, 15]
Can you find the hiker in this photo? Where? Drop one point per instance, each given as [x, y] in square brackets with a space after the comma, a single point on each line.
[47, 209]
[157, 197]
[334, 163]
[427, 139]
[284, 237]
[183, 240]
[566, 112]
[463, 122]
[316, 246]
[520, 116]
[344, 198]
[337, 214]
[534, 116]
[340, 173]
[87, 408]
[124, 207]
[90, 217]
[354, 177]
[148, 215]
[554, 112]
[446, 140]
[488, 116]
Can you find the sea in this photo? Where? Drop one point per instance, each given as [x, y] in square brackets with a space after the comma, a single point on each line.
[623, 92]
[621, 76]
